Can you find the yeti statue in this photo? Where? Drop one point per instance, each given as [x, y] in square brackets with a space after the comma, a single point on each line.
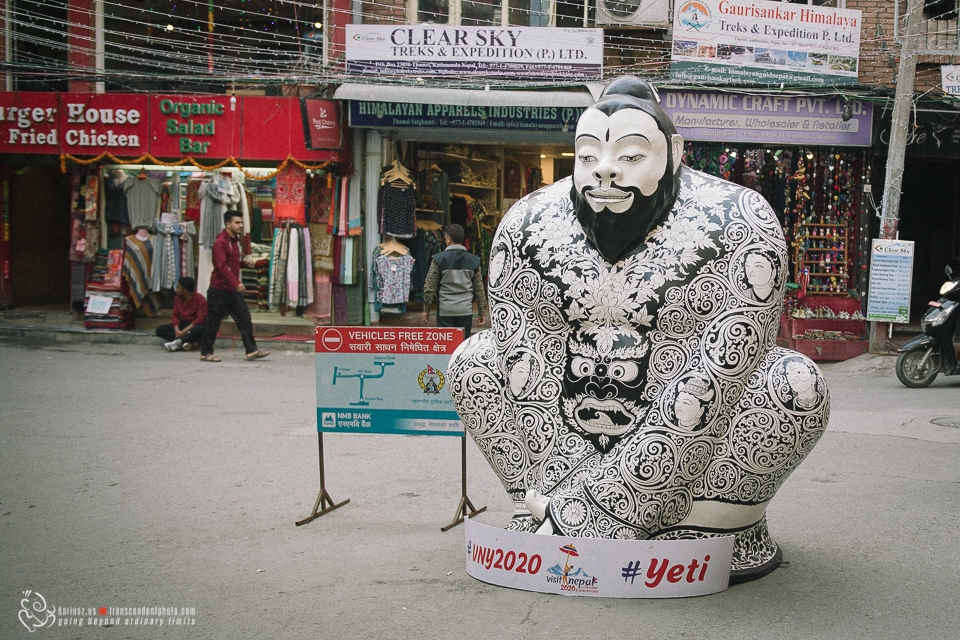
[630, 386]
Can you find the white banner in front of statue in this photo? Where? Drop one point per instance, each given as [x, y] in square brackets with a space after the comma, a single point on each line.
[599, 568]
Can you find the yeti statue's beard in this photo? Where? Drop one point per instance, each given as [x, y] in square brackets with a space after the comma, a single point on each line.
[615, 235]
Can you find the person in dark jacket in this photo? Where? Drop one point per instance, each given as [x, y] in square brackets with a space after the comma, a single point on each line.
[455, 279]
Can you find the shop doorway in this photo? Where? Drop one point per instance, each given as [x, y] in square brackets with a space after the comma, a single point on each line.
[39, 236]
[930, 216]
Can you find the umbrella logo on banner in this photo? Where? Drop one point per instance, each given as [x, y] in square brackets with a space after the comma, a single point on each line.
[431, 380]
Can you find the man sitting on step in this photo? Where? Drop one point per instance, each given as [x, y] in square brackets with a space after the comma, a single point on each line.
[186, 323]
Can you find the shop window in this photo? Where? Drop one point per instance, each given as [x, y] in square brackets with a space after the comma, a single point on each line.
[523, 13]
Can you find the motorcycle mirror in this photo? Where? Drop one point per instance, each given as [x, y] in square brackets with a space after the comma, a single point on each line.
[949, 271]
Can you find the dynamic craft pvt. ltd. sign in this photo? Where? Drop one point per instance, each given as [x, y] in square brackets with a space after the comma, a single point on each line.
[717, 116]
[386, 380]
[760, 41]
[442, 50]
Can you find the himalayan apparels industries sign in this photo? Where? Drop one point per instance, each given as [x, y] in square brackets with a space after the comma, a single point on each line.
[441, 50]
[756, 41]
[599, 568]
[717, 116]
[386, 380]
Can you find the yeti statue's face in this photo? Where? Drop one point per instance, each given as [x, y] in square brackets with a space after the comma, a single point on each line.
[623, 178]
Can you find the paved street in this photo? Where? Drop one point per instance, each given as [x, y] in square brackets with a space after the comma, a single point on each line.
[132, 477]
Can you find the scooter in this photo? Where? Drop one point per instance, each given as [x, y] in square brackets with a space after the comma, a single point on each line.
[922, 358]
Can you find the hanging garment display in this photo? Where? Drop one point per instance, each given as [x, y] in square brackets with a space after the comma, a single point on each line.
[173, 255]
[397, 202]
[217, 195]
[290, 195]
[391, 279]
[143, 200]
[319, 195]
[115, 196]
[137, 265]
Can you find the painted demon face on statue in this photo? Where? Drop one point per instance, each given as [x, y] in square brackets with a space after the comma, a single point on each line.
[625, 177]
[602, 387]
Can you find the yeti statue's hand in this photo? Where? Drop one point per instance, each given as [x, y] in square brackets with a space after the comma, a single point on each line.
[630, 386]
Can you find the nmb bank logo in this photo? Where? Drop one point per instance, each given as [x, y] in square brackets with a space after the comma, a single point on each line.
[694, 15]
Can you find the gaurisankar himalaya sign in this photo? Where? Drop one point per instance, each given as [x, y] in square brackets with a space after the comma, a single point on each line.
[755, 41]
[441, 50]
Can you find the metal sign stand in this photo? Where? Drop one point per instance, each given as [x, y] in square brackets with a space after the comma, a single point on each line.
[323, 498]
[465, 508]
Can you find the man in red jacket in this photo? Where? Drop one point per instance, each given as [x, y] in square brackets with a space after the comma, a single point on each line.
[189, 315]
[225, 294]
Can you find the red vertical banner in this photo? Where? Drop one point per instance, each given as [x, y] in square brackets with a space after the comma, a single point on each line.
[80, 40]
[194, 126]
[339, 16]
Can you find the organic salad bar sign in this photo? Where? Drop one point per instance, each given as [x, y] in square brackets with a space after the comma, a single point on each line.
[195, 126]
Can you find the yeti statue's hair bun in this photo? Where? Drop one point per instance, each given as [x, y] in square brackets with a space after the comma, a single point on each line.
[631, 86]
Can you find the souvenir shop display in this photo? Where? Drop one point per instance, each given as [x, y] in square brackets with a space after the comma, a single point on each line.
[136, 230]
[815, 193]
[104, 286]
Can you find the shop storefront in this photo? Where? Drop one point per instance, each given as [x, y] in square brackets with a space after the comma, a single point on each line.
[809, 156]
[930, 197]
[466, 156]
[137, 184]
[439, 156]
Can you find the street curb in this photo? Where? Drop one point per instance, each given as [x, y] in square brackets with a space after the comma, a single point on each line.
[49, 336]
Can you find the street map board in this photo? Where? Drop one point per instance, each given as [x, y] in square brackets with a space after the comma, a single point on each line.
[388, 380]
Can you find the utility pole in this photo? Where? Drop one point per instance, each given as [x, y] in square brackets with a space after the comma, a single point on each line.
[903, 100]
[897, 150]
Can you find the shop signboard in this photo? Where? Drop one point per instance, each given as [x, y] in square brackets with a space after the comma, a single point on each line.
[764, 42]
[194, 126]
[91, 123]
[453, 116]
[273, 129]
[950, 79]
[169, 126]
[599, 568]
[717, 116]
[29, 122]
[389, 380]
[931, 134]
[502, 52]
[321, 123]
[891, 272]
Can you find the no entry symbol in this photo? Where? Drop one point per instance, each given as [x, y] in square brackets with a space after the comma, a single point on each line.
[331, 340]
